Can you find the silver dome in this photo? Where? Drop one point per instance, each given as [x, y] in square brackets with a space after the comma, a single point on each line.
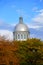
[21, 26]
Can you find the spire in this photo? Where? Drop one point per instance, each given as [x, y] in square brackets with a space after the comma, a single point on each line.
[20, 20]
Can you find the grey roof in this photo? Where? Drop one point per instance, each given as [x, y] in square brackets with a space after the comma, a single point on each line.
[21, 26]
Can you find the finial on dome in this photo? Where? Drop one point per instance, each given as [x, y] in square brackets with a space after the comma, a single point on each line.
[21, 20]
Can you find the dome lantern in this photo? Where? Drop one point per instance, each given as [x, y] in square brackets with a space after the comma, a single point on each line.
[20, 20]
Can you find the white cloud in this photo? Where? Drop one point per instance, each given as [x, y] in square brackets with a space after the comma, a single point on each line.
[37, 21]
[39, 17]
[5, 30]
[34, 26]
[8, 34]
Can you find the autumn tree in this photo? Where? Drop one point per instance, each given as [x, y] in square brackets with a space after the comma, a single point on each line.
[29, 52]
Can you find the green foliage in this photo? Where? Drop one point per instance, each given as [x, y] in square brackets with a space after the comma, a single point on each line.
[30, 52]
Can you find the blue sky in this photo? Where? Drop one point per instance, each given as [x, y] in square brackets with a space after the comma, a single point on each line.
[30, 10]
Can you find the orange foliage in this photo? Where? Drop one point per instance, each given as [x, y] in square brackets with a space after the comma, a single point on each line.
[7, 55]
